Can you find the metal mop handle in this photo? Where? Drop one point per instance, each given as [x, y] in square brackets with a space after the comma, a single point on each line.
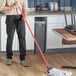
[74, 20]
[34, 38]
[66, 16]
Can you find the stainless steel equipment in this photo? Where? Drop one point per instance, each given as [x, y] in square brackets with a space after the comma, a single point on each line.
[72, 27]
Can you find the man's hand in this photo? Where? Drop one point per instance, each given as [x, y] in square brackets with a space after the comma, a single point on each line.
[7, 8]
[24, 19]
[16, 5]
[25, 13]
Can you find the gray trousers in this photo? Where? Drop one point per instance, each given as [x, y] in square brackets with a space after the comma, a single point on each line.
[15, 22]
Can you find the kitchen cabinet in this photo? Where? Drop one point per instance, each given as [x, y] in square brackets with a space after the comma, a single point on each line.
[54, 40]
[3, 34]
[29, 38]
[0, 32]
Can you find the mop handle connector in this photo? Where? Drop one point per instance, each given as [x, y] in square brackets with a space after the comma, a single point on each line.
[48, 69]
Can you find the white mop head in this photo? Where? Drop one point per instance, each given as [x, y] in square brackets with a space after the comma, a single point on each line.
[58, 72]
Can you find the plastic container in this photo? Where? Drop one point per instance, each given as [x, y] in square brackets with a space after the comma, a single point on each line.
[56, 6]
[51, 6]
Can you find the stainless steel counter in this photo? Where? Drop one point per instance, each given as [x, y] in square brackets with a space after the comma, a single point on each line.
[45, 13]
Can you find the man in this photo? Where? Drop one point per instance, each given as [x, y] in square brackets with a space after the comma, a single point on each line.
[14, 21]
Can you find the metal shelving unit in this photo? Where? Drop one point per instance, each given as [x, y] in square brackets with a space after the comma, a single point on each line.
[72, 27]
[36, 5]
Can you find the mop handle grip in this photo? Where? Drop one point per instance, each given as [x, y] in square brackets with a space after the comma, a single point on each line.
[34, 37]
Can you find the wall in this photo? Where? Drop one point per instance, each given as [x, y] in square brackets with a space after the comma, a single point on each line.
[67, 2]
[31, 3]
[73, 3]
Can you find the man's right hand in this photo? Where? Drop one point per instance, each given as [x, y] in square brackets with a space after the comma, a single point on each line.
[16, 5]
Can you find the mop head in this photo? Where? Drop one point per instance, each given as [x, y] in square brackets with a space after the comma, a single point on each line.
[58, 72]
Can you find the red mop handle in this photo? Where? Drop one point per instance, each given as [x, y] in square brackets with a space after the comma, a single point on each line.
[34, 38]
